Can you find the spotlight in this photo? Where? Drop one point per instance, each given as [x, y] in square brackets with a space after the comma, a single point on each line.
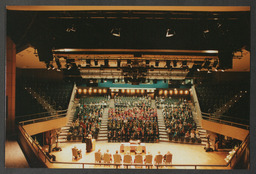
[152, 68]
[170, 32]
[157, 63]
[215, 63]
[118, 63]
[198, 69]
[116, 32]
[96, 62]
[168, 62]
[88, 62]
[206, 64]
[175, 63]
[106, 63]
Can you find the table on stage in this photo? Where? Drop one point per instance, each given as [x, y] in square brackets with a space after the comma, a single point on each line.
[133, 147]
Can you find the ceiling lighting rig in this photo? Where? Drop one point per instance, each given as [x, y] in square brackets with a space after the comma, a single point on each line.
[135, 72]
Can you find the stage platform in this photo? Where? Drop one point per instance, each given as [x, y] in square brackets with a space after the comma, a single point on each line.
[182, 154]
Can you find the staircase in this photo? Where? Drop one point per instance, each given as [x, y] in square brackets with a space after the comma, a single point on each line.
[227, 105]
[163, 136]
[64, 130]
[111, 103]
[42, 101]
[103, 133]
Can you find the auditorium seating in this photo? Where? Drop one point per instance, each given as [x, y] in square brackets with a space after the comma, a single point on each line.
[213, 96]
[162, 101]
[121, 101]
[56, 94]
[103, 101]
[135, 123]
[26, 104]
[179, 122]
[86, 120]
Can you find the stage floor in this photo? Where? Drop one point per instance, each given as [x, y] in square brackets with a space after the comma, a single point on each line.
[182, 154]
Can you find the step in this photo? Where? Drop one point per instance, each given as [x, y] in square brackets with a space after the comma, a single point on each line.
[102, 138]
[202, 130]
[103, 131]
[163, 136]
[63, 133]
[102, 135]
[164, 140]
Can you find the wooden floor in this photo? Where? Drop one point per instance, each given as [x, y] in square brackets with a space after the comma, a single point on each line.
[182, 154]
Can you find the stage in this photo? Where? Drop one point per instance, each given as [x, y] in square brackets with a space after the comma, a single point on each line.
[183, 154]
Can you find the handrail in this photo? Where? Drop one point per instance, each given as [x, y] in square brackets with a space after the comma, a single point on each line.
[39, 149]
[209, 117]
[43, 118]
[233, 118]
[29, 115]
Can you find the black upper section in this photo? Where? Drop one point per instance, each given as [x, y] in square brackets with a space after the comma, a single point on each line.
[139, 29]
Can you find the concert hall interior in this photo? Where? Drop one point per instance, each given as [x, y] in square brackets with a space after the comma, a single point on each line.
[124, 87]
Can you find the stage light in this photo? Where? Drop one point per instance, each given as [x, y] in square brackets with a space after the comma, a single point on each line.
[122, 90]
[95, 90]
[142, 91]
[85, 91]
[79, 91]
[222, 70]
[104, 90]
[116, 32]
[186, 92]
[118, 63]
[96, 62]
[100, 91]
[88, 62]
[175, 92]
[170, 32]
[160, 92]
[148, 90]
[106, 63]
[175, 63]
[128, 90]
[171, 92]
[157, 63]
[165, 92]
[90, 90]
[132, 91]
[168, 62]
[112, 90]
[138, 91]
[181, 92]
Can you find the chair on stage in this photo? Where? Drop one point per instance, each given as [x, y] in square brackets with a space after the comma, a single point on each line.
[127, 158]
[148, 159]
[117, 159]
[158, 159]
[97, 157]
[168, 159]
[106, 158]
[138, 160]
[127, 149]
[76, 153]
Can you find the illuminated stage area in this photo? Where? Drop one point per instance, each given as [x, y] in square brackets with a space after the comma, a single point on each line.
[182, 154]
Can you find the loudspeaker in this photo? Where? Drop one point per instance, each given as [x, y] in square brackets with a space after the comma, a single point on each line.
[44, 53]
[225, 59]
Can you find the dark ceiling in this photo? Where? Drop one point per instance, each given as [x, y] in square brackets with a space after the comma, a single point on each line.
[138, 29]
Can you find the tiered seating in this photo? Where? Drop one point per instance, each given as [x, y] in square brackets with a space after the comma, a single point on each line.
[161, 101]
[241, 108]
[211, 97]
[134, 101]
[102, 101]
[57, 94]
[180, 123]
[26, 104]
[135, 123]
[87, 120]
